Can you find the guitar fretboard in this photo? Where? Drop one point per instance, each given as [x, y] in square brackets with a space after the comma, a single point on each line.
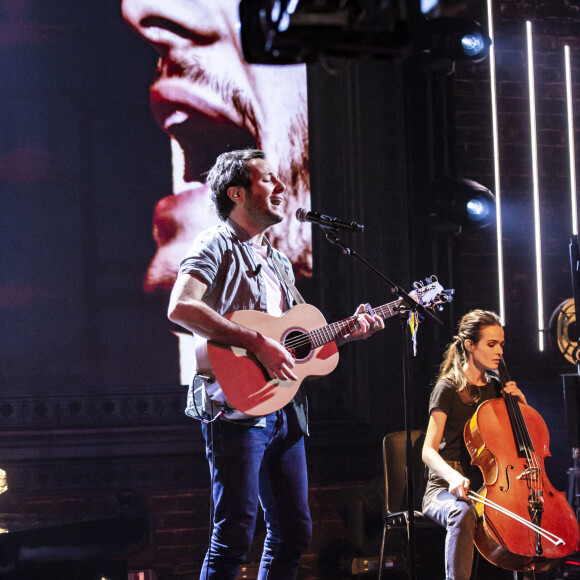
[342, 328]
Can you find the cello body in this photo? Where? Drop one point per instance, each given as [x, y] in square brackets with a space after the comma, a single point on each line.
[513, 479]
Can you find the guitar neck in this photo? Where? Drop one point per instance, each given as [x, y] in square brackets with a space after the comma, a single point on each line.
[342, 328]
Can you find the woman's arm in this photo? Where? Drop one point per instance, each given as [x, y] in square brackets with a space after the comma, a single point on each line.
[458, 483]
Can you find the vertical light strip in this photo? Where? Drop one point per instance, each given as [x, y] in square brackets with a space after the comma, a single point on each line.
[535, 179]
[571, 148]
[494, 123]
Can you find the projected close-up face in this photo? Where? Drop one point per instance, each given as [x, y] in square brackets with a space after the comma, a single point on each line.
[209, 100]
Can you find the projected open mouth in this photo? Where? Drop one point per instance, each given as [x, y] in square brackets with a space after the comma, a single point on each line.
[201, 122]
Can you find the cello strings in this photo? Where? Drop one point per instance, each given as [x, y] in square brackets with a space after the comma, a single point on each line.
[521, 431]
[532, 474]
[523, 439]
[533, 463]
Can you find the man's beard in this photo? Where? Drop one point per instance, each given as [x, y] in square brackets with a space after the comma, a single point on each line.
[260, 212]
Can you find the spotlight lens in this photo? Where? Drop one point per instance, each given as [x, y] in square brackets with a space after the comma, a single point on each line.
[473, 44]
[477, 209]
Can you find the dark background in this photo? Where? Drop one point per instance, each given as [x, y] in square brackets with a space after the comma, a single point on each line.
[90, 397]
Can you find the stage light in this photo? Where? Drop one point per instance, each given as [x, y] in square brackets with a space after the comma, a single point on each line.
[298, 31]
[451, 39]
[473, 44]
[464, 202]
[477, 209]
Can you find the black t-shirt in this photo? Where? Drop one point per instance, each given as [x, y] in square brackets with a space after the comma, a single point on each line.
[446, 398]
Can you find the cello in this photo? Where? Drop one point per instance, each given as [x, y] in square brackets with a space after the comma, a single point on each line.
[524, 523]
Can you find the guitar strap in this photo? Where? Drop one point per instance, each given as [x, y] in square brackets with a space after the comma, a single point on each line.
[281, 271]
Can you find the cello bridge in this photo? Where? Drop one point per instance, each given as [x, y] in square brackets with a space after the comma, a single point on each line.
[531, 473]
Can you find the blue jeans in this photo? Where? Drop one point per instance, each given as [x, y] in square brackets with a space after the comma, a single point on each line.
[251, 464]
[459, 517]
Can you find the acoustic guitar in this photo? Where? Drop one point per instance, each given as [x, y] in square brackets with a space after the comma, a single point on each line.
[243, 381]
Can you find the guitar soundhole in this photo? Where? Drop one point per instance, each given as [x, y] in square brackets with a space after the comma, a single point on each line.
[298, 344]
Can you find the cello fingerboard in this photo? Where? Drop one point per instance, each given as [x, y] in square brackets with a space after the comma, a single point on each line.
[522, 437]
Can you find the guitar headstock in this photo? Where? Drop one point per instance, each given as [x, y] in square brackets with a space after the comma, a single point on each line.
[430, 294]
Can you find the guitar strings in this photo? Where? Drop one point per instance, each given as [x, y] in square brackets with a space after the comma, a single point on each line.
[327, 334]
[324, 334]
[333, 331]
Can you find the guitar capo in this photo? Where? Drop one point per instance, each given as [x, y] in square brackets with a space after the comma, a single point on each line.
[370, 311]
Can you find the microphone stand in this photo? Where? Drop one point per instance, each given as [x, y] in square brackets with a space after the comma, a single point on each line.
[407, 306]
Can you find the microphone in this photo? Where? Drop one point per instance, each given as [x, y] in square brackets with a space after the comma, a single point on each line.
[326, 221]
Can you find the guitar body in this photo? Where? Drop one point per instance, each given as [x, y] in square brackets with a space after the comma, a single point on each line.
[244, 382]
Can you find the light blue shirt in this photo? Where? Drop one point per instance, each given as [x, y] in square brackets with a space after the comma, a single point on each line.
[224, 259]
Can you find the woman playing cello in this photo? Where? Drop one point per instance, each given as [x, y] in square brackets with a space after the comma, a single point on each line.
[463, 383]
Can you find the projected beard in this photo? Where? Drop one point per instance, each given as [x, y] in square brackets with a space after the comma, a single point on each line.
[206, 115]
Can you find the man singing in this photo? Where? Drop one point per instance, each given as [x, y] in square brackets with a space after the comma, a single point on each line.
[233, 267]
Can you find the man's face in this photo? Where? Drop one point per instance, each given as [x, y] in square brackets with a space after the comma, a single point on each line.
[264, 200]
[209, 100]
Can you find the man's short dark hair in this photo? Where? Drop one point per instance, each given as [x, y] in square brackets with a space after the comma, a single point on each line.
[230, 170]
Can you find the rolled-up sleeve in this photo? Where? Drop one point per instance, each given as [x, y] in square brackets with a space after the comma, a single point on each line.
[203, 259]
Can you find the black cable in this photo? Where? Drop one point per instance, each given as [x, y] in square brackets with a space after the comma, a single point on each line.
[201, 415]
[211, 504]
